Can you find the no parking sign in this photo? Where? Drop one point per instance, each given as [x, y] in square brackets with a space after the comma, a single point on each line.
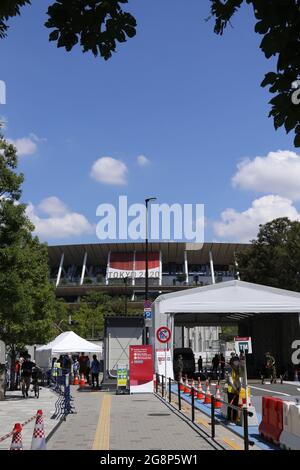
[163, 334]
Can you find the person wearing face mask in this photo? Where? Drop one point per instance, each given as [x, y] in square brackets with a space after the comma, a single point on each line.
[233, 389]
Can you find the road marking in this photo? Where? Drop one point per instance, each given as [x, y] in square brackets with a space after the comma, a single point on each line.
[101, 441]
[231, 443]
[203, 422]
[271, 391]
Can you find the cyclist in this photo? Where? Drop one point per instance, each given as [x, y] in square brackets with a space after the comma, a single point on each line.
[26, 374]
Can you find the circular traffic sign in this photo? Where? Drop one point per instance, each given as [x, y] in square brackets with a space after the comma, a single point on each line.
[163, 334]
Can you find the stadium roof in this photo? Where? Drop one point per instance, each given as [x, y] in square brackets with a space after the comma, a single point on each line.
[97, 253]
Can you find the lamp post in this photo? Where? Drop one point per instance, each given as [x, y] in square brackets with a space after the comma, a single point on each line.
[149, 199]
[125, 300]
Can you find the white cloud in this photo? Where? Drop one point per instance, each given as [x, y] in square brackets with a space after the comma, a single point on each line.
[142, 160]
[278, 172]
[53, 206]
[27, 145]
[60, 223]
[108, 170]
[244, 226]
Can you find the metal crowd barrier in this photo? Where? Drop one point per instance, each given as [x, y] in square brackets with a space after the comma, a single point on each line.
[160, 380]
[60, 383]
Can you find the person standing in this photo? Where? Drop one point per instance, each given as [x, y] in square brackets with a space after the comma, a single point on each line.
[75, 366]
[17, 372]
[88, 369]
[200, 364]
[95, 370]
[271, 367]
[233, 390]
[82, 364]
[222, 364]
[215, 364]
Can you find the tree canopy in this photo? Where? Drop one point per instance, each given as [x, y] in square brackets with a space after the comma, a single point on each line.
[27, 300]
[98, 25]
[273, 259]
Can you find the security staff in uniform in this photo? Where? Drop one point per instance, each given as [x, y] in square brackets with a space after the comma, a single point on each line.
[233, 389]
[271, 367]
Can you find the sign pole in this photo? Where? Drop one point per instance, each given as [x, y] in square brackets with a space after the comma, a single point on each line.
[166, 366]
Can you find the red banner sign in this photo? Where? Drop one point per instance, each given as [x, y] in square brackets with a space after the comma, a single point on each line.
[141, 369]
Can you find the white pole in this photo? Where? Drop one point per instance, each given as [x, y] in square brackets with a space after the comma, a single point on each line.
[60, 269]
[166, 371]
[83, 268]
[107, 268]
[212, 271]
[160, 268]
[133, 270]
[186, 268]
[237, 268]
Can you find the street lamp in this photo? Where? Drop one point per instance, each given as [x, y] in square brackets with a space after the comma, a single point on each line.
[125, 279]
[149, 199]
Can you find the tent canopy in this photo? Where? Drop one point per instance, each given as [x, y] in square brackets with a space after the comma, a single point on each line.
[223, 303]
[70, 342]
[230, 297]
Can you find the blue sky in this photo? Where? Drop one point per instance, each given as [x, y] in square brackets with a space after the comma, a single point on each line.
[186, 99]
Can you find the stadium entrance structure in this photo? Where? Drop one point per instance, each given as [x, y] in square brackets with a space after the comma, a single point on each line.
[269, 315]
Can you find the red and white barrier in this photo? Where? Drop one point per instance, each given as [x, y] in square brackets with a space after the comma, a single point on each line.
[271, 425]
[290, 436]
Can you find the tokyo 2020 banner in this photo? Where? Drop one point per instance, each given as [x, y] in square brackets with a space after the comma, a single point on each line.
[132, 264]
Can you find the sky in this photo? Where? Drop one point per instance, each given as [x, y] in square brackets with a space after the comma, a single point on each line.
[177, 113]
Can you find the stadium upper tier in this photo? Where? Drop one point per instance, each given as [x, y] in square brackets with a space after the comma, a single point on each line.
[169, 264]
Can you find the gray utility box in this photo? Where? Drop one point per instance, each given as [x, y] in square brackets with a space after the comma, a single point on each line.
[119, 334]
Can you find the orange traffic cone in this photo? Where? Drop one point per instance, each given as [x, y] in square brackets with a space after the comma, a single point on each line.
[218, 403]
[76, 381]
[82, 381]
[39, 439]
[207, 399]
[16, 442]
[186, 386]
[200, 395]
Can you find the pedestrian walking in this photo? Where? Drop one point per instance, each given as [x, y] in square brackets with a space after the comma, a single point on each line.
[26, 374]
[95, 370]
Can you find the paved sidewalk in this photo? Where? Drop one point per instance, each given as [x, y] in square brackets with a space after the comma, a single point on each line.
[143, 422]
[106, 421]
[78, 431]
[16, 409]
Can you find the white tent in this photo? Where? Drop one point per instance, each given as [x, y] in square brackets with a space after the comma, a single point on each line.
[226, 301]
[67, 342]
[230, 297]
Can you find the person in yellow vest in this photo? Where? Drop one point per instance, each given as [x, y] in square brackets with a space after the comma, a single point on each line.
[233, 389]
[56, 366]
